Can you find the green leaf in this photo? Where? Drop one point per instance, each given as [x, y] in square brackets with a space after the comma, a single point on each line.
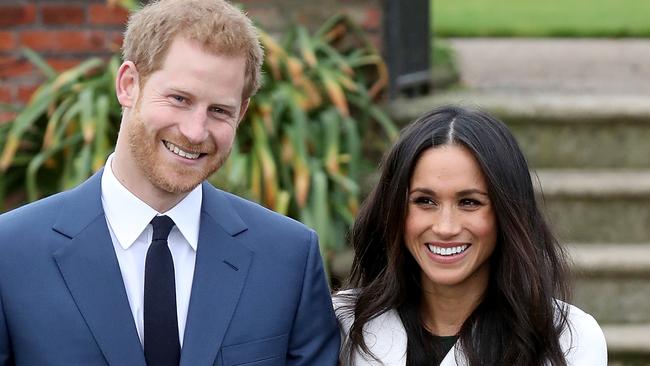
[37, 162]
[39, 62]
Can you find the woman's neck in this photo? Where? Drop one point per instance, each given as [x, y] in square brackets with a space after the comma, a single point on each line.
[445, 308]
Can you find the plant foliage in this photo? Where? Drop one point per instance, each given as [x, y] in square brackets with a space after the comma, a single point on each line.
[298, 151]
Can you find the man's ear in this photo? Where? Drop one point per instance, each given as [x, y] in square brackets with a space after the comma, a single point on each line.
[127, 84]
[243, 109]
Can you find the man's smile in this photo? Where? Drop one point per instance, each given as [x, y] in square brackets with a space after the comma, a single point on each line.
[180, 152]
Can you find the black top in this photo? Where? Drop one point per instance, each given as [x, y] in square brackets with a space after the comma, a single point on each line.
[442, 343]
[446, 342]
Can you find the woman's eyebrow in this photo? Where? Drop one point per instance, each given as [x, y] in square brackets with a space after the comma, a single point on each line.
[423, 190]
[472, 191]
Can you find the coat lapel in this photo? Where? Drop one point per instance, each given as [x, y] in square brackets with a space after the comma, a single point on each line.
[91, 272]
[222, 264]
[450, 358]
[389, 342]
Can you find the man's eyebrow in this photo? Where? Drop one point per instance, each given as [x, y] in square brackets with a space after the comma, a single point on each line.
[180, 91]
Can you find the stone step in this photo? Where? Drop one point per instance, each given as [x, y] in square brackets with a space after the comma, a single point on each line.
[628, 344]
[578, 65]
[556, 130]
[612, 281]
[612, 260]
[598, 205]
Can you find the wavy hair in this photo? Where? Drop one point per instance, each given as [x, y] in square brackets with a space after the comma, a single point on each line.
[519, 319]
[217, 25]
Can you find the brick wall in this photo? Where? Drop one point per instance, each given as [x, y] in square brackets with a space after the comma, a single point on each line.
[276, 15]
[66, 32]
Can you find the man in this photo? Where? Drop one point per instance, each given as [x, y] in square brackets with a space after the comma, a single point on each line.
[145, 263]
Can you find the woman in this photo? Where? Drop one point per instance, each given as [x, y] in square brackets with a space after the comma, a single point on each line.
[454, 262]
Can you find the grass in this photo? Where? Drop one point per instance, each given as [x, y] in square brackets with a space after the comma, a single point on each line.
[541, 18]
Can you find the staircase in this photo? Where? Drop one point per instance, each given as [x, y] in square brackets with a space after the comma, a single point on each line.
[591, 156]
[580, 110]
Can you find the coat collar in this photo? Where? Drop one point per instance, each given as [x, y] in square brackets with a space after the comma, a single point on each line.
[384, 335]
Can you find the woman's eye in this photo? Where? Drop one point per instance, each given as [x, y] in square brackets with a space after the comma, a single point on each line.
[424, 201]
[468, 202]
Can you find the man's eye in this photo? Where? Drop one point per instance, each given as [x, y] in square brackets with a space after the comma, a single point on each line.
[178, 98]
[218, 110]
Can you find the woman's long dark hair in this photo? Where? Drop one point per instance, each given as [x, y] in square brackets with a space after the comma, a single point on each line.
[519, 320]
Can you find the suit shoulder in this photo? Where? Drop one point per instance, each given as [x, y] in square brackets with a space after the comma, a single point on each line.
[254, 212]
[28, 224]
[33, 214]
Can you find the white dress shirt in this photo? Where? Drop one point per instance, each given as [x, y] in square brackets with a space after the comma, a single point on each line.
[128, 220]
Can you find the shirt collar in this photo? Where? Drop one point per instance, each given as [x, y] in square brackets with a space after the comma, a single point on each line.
[128, 224]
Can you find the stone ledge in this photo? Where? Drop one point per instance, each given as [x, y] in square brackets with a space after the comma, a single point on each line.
[594, 183]
[565, 108]
[627, 338]
[614, 259]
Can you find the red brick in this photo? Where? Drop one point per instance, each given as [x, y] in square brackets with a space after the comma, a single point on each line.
[11, 15]
[116, 41]
[7, 41]
[108, 15]
[64, 41]
[25, 92]
[6, 94]
[62, 64]
[6, 116]
[12, 67]
[372, 18]
[62, 14]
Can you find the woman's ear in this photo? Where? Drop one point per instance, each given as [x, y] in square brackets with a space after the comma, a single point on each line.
[127, 84]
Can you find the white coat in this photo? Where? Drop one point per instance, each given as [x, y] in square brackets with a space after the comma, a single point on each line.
[386, 338]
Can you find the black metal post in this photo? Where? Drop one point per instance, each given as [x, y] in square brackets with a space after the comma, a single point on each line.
[407, 46]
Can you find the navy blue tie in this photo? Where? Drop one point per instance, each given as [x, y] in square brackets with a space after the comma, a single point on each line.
[161, 344]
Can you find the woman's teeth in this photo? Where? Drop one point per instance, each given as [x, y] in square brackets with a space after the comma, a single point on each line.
[447, 251]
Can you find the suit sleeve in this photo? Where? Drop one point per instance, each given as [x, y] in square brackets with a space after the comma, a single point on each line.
[6, 355]
[315, 337]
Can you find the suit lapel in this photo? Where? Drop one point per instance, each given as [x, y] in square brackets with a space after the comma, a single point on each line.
[91, 272]
[222, 264]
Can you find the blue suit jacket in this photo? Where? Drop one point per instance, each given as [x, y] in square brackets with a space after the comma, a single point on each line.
[259, 296]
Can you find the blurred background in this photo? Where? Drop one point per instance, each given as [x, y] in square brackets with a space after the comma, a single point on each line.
[570, 78]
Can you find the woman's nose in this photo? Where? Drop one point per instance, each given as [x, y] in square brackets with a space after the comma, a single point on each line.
[446, 224]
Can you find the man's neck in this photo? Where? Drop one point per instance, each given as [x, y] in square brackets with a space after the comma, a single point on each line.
[140, 186]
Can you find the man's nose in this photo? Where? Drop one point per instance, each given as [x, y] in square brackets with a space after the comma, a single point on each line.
[194, 128]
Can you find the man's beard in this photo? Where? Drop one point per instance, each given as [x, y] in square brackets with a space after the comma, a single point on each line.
[170, 177]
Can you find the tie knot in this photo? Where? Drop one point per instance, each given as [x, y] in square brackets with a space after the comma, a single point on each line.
[162, 225]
